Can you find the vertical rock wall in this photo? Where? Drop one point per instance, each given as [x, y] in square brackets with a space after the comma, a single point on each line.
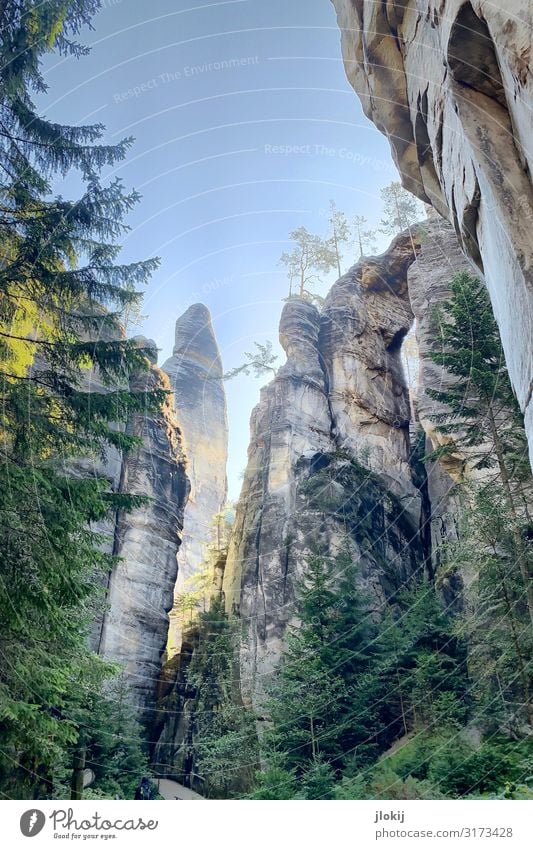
[195, 372]
[328, 463]
[449, 83]
[146, 541]
[439, 259]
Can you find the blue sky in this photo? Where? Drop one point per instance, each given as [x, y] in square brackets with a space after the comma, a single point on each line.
[245, 127]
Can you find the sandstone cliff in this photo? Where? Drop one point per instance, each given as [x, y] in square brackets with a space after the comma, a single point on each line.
[146, 541]
[195, 372]
[428, 279]
[334, 462]
[449, 83]
[328, 461]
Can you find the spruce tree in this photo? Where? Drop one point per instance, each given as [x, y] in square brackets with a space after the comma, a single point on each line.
[62, 295]
[223, 736]
[322, 698]
[482, 418]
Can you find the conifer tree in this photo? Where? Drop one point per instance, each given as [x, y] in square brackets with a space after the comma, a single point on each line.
[496, 623]
[311, 257]
[321, 700]
[401, 209]
[223, 737]
[481, 416]
[365, 238]
[62, 294]
[339, 233]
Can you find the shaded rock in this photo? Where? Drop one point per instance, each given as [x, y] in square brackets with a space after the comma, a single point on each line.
[146, 541]
[439, 259]
[195, 372]
[461, 134]
[328, 463]
[365, 319]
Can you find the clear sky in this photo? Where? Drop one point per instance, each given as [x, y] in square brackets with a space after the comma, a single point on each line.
[245, 128]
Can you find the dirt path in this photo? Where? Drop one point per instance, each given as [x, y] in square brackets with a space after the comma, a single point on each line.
[169, 789]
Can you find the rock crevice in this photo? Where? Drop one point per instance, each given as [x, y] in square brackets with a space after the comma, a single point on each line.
[461, 134]
[329, 459]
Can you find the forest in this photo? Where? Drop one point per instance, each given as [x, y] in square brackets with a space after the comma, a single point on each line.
[419, 689]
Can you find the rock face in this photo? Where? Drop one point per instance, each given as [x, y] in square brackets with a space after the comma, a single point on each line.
[334, 463]
[461, 134]
[195, 372]
[364, 321]
[141, 587]
[439, 259]
[328, 462]
[429, 278]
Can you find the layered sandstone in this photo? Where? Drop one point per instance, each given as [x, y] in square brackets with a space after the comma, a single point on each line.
[449, 83]
[328, 463]
[195, 375]
[146, 543]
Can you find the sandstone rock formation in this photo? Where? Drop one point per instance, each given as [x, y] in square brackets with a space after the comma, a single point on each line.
[328, 461]
[195, 371]
[439, 259]
[141, 587]
[449, 83]
[334, 462]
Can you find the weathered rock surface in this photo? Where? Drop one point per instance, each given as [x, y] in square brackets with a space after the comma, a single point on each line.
[364, 321]
[141, 587]
[449, 83]
[328, 462]
[195, 371]
[290, 426]
[439, 259]
[429, 279]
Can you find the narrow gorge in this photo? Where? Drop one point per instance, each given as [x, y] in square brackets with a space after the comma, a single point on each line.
[334, 463]
[357, 624]
[340, 440]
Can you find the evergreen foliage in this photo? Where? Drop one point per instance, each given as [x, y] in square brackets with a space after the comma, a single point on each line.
[62, 294]
[223, 733]
[401, 210]
[311, 257]
[481, 414]
[348, 686]
[482, 420]
[364, 237]
[261, 362]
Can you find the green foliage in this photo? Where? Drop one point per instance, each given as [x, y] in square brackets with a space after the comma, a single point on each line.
[348, 686]
[111, 739]
[384, 783]
[401, 210]
[259, 362]
[318, 782]
[314, 699]
[482, 414]
[445, 763]
[311, 257]
[339, 234]
[62, 294]
[481, 419]
[275, 783]
[365, 238]
[223, 734]
[495, 624]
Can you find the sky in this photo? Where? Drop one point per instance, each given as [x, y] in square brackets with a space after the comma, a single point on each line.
[245, 128]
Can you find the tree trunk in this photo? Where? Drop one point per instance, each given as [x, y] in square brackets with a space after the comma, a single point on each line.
[337, 253]
[402, 708]
[313, 738]
[78, 767]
